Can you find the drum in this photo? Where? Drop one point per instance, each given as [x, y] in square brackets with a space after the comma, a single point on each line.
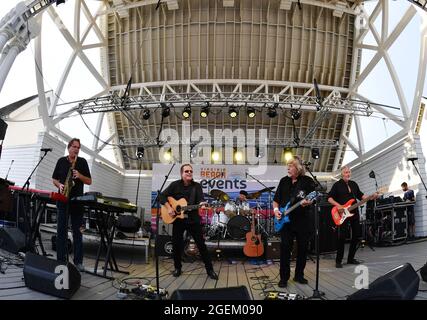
[238, 227]
[230, 209]
[244, 209]
[219, 219]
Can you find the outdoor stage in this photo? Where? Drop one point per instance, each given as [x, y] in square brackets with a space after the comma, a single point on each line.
[259, 277]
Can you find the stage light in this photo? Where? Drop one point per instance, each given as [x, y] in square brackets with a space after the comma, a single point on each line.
[204, 112]
[232, 112]
[165, 110]
[238, 155]
[146, 114]
[272, 112]
[167, 155]
[258, 152]
[186, 113]
[140, 152]
[215, 156]
[315, 153]
[250, 112]
[287, 154]
[295, 114]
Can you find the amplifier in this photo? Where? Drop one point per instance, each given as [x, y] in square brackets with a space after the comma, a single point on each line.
[272, 250]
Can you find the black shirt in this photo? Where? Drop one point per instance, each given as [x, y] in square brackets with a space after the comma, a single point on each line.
[340, 193]
[294, 192]
[178, 190]
[61, 171]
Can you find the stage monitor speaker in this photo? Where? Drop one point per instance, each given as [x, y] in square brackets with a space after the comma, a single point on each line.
[128, 223]
[423, 272]
[164, 246]
[41, 274]
[272, 250]
[12, 240]
[231, 293]
[400, 283]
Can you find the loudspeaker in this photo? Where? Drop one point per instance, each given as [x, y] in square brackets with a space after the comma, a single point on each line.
[128, 223]
[423, 272]
[12, 240]
[3, 127]
[164, 246]
[400, 283]
[232, 293]
[50, 276]
[272, 250]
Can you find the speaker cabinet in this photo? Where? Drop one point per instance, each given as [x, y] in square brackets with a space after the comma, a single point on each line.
[12, 240]
[272, 250]
[400, 283]
[50, 276]
[232, 293]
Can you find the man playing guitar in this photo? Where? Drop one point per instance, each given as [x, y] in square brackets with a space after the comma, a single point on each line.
[342, 191]
[192, 192]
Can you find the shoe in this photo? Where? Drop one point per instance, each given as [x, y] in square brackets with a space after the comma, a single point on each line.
[176, 273]
[212, 274]
[80, 267]
[338, 265]
[301, 280]
[354, 261]
[282, 284]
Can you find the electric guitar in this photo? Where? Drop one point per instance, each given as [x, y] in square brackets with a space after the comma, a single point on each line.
[340, 217]
[287, 209]
[253, 246]
[179, 207]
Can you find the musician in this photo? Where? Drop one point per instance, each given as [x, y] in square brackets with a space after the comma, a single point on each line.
[293, 188]
[342, 191]
[242, 198]
[80, 176]
[409, 196]
[187, 188]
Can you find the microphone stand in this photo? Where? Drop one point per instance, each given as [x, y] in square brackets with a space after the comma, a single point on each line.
[270, 206]
[159, 191]
[421, 178]
[27, 204]
[316, 293]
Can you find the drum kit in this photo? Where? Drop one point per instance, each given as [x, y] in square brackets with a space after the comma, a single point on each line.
[232, 219]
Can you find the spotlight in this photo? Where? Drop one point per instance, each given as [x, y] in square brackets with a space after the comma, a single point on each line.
[315, 154]
[146, 114]
[167, 155]
[186, 113]
[204, 112]
[287, 154]
[232, 112]
[251, 112]
[215, 156]
[165, 110]
[295, 114]
[272, 112]
[140, 152]
[238, 155]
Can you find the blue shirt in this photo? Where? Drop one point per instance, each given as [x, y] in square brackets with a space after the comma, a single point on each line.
[409, 195]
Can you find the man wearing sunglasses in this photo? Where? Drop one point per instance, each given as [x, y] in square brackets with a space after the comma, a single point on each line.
[191, 191]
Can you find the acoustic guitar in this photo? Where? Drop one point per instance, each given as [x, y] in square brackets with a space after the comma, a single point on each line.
[179, 207]
[253, 246]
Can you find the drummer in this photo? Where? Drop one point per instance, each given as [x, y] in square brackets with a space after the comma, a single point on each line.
[242, 198]
[243, 204]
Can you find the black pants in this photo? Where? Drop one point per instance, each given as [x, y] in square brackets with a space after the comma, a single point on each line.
[355, 235]
[287, 234]
[195, 230]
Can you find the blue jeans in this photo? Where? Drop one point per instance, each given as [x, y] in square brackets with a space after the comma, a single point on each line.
[76, 214]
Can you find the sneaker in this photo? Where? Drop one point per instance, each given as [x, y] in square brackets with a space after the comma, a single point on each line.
[80, 267]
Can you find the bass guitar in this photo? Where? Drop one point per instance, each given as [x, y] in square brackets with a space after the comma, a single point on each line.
[253, 246]
[287, 209]
[179, 207]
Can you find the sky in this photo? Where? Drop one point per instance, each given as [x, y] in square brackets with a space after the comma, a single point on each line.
[21, 80]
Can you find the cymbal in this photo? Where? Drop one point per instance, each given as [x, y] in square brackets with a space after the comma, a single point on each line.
[219, 195]
[257, 194]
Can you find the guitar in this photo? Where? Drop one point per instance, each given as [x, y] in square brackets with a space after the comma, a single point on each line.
[253, 246]
[340, 217]
[179, 207]
[279, 223]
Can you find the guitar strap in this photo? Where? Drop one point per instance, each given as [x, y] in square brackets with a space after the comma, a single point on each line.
[192, 199]
[295, 190]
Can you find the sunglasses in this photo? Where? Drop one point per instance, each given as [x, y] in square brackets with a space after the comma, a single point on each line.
[188, 171]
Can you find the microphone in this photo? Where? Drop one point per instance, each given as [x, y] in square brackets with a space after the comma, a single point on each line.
[9, 169]
[412, 159]
[46, 149]
[306, 163]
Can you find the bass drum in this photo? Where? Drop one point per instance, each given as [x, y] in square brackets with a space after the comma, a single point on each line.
[238, 227]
